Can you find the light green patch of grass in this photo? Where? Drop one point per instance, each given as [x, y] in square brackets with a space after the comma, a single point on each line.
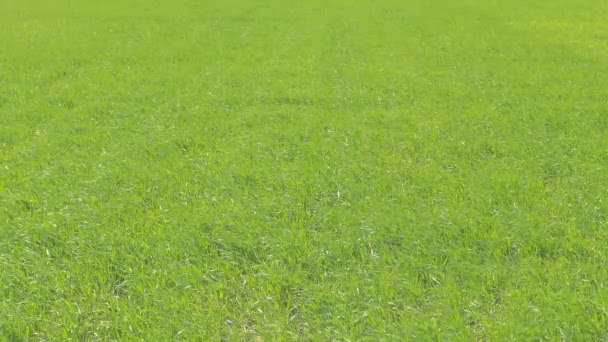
[342, 170]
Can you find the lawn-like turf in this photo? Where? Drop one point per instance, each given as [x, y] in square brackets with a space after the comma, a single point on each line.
[311, 170]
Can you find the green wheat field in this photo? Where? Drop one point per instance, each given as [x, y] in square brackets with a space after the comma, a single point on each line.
[338, 170]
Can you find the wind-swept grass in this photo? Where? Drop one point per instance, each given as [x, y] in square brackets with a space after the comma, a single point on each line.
[314, 170]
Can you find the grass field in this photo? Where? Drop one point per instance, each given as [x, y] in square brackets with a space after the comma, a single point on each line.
[310, 170]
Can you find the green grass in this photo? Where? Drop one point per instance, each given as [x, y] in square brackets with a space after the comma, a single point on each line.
[314, 170]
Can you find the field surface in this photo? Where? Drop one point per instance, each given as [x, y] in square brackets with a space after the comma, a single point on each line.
[303, 170]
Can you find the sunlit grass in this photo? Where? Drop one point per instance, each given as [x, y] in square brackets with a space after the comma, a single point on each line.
[360, 170]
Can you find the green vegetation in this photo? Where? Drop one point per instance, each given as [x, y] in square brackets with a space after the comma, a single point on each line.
[311, 170]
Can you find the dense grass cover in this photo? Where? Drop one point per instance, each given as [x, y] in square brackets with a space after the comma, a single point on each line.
[315, 170]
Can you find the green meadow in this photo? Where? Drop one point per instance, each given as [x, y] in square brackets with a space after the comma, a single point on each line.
[339, 170]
